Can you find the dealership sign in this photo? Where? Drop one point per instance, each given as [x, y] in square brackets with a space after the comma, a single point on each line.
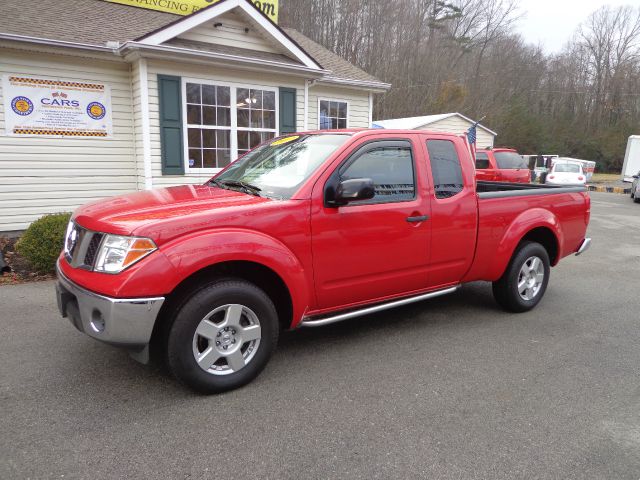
[60, 108]
[187, 7]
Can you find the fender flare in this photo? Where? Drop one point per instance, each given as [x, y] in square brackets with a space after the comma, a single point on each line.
[517, 230]
[192, 253]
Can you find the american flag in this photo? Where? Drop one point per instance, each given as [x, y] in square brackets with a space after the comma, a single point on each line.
[471, 136]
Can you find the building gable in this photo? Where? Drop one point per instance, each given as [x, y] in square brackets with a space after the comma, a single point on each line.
[229, 23]
[232, 29]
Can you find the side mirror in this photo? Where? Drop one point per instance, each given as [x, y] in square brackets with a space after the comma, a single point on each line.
[352, 190]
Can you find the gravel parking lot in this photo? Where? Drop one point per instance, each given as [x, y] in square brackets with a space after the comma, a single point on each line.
[450, 388]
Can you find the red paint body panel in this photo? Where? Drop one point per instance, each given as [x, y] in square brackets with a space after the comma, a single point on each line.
[364, 234]
[454, 221]
[496, 174]
[330, 258]
[504, 223]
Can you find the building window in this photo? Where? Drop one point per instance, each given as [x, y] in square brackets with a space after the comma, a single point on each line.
[225, 121]
[256, 117]
[332, 114]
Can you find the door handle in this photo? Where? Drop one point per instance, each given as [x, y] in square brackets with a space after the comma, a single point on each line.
[417, 219]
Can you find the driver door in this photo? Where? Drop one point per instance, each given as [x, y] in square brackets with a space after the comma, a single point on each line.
[372, 249]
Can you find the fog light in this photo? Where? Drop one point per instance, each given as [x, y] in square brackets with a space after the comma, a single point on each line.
[97, 321]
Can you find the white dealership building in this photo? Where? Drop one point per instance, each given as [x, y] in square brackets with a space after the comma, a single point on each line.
[102, 98]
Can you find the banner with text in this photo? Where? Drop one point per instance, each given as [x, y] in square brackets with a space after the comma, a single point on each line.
[61, 108]
[187, 7]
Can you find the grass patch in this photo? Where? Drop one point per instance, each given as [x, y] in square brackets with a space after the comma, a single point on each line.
[605, 177]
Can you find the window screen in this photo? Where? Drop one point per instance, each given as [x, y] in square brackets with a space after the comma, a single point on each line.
[445, 167]
[390, 168]
[482, 161]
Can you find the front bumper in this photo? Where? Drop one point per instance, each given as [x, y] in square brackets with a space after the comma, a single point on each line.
[117, 321]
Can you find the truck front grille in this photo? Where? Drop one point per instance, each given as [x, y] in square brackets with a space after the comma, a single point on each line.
[92, 249]
[82, 247]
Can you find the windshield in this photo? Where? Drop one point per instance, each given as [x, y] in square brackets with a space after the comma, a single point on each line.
[510, 160]
[567, 168]
[277, 169]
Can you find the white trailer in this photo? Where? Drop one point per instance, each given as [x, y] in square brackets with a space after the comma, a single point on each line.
[631, 165]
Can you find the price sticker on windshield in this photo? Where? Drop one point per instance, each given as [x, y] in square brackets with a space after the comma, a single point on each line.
[284, 140]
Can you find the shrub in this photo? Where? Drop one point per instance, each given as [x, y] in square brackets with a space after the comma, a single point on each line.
[42, 242]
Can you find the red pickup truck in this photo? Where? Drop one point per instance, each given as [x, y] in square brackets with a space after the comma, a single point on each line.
[304, 231]
[501, 165]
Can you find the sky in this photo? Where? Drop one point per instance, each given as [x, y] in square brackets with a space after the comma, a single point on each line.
[551, 23]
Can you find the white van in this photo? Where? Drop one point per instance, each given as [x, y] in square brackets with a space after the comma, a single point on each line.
[631, 163]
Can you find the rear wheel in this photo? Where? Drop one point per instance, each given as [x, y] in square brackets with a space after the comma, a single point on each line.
[222, 337]
[525, 280]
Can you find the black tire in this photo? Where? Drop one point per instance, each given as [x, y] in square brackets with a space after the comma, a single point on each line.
[181, 343]
[505, 290]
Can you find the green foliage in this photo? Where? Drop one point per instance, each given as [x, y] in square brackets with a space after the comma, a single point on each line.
[521, 129]
[42, 242]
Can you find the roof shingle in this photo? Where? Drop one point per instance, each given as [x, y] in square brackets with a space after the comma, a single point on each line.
[329, 60]
[96, 22]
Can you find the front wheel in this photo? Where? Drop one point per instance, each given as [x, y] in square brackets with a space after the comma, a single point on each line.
[524, 282]
[223, 336]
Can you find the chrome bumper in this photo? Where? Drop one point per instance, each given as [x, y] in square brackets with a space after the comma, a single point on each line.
[122, 322]
[584, 246]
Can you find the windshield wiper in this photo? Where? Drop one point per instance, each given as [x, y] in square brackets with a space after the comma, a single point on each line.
[253, 189]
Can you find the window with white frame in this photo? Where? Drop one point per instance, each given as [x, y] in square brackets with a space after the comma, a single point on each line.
[256, 117]
[332, 114]
[224, 121]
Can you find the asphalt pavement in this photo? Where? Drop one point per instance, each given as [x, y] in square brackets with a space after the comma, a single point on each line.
[451, 388]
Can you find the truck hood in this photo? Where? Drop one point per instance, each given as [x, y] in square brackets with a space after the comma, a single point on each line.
[129, 214]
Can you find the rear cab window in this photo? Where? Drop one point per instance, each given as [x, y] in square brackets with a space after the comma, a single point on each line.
[510, 161]
[482, 161]
[445, 168]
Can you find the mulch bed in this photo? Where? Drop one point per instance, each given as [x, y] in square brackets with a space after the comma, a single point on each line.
[21, 270]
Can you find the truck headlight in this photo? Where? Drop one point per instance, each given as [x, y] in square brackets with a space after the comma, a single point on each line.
[118, 253]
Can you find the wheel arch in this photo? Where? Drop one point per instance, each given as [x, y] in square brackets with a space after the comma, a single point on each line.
[256, 273]
[545, 237]
[538, 225]
[200, 258]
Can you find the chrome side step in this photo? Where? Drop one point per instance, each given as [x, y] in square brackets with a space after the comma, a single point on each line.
[320, 322]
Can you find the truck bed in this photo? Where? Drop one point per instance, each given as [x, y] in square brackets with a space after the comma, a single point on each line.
[503, 189]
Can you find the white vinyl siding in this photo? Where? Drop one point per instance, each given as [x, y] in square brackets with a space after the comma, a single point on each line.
[455, 124]
[231, 33]
[220, 76]
[358, 104]
[48, 175]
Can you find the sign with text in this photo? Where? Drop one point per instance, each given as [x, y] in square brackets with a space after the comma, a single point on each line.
[187, 7]
[60, 108]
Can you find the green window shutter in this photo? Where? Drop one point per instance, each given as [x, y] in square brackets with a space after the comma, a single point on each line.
[288, 110]
[170, 100]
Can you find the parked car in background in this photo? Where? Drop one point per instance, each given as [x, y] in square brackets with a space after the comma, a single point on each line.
[588, 166]
[566, 173]
[502, 165]
[635, 187]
